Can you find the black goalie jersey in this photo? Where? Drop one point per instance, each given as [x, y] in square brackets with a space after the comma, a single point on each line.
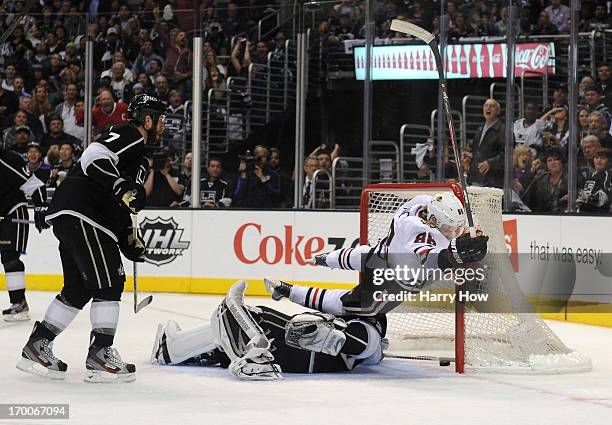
[87, 191]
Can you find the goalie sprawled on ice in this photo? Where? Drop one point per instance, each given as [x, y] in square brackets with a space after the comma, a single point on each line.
[427, 236]
[260, 342]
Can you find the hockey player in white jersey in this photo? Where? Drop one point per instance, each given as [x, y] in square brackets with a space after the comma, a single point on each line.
[426, 234]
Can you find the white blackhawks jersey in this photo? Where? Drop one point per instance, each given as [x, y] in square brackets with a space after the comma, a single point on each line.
[410, 242]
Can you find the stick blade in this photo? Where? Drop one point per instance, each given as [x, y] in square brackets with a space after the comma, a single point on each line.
[142, 304]
[411, 29]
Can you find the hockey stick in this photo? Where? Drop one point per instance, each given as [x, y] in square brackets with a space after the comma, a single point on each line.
[142, 304]
[443, 361]
[430, 40]
[17, 220]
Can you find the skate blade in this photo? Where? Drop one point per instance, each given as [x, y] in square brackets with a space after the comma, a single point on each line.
[33, 368]
[101, 377]
[157, 343]
[18, 317]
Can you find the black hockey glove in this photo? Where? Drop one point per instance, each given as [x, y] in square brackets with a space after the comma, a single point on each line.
[130, 194]
[132, 249]
[320, 260]
[462, 250]
[40, 212]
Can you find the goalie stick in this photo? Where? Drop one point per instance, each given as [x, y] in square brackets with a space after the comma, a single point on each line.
[430, 40]
[145, 302]
[442, 361]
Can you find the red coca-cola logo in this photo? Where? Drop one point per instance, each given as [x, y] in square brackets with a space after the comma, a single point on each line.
[272, 249]
[533, 56]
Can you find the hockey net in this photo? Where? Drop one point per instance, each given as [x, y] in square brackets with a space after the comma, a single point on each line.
[506, 342]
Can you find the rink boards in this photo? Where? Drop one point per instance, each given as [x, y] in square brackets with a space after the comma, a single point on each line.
[204, 251]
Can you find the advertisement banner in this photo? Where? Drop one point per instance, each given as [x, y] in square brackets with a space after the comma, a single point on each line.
[488, 60]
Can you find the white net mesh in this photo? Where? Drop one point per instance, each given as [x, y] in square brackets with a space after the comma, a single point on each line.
[508, 342]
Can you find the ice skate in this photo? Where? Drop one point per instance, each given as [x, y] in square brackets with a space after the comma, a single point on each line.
[104, 364]
[18, 312]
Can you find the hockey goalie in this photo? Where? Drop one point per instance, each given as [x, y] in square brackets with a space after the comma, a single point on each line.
[259, 343]
[427, 234]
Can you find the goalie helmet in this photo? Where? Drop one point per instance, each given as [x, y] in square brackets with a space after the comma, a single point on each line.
[446, 212]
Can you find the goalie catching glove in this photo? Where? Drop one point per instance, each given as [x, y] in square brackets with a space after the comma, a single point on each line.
[130, 194]
[462, 250]
[132, 245]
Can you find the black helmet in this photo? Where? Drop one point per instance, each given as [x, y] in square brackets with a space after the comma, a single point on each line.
[143, 105]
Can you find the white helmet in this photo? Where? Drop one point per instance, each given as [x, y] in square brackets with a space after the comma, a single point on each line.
[446, 212]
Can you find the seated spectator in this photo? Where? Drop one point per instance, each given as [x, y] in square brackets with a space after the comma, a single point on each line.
[501, 26]
[605, 83]
[256, 187]
[588, 146]
[40, 101]
[598, 126]
[127, 74]
[548, 190]
[459, 27]
[9, 102]
[600, 21]
[108, 112]
[559, 97]
[9, 136]
[162, 89]
[175, 102]
[278, 46]
[261, 53]
[19, 86]
[585, 82]
[524, 168]
[57, 136]
[217, 38]
[596, 192]
[162, 184]
[35, 164]
[487, 151]
[286, 199]
[485, 27]
[214, 191]
[592, 98]
[147, 53]
[25, 105]
[211, 62]
[119, 82]
[556, 132]
[185, 176]
[527, 131]
[23, 137]
[234, 24]
[66, 163]
[583, 122]
[311, 164]
[154, 69]
[345, 29]
[544, 26]
[559, 15]
[9, 77]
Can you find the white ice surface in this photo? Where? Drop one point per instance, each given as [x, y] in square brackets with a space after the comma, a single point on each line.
[395, 392]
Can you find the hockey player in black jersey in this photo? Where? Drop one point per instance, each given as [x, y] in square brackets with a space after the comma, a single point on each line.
[259, 343]
[90, 215]
[17, 183]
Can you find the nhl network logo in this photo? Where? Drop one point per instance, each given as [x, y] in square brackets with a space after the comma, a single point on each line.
[162, 237]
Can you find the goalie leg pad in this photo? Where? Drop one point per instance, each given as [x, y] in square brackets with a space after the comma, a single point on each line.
[244, 342]
[174, 346]
[318, 332]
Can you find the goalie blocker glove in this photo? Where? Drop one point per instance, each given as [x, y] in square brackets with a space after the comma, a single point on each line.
[462, 250]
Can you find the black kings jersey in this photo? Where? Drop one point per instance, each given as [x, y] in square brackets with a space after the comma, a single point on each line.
[87, 191]
[17, 183]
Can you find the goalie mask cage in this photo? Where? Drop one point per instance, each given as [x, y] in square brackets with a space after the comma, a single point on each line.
[508, 342]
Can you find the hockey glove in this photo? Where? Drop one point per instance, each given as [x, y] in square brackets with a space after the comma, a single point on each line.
[130, 194]
[465, 249]
[40, 212]
[320, 260]
[132, 249]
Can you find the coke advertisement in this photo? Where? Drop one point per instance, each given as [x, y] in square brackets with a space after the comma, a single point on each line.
[487, 60]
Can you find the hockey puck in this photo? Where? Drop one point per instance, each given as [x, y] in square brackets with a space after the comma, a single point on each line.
[444, 363]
